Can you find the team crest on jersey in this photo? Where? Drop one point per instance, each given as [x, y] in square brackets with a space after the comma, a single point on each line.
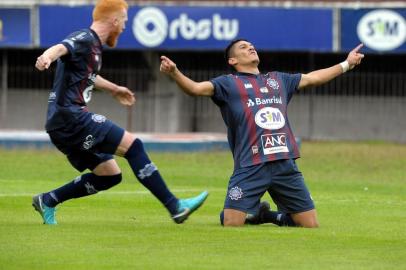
[270, 118]
[235, 193]
[272, 83]
[98, 118]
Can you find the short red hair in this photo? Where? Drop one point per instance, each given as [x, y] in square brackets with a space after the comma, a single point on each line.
[105, 8]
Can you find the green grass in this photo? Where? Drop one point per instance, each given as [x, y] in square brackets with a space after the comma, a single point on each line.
[359, 190]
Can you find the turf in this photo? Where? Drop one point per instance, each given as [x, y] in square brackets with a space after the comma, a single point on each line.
[359, 190]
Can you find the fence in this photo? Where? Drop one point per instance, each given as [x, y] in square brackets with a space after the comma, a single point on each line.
[366, 103]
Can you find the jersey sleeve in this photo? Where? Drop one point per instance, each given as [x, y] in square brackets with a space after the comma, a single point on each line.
[291, 82]
[77, 43]
[220, 89]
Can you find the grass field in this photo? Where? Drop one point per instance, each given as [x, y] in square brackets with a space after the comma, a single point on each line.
[359, 190]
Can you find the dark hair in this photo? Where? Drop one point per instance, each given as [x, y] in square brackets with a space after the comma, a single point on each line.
[230, 46]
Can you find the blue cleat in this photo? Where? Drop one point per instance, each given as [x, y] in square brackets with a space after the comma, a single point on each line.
[187, 206]
[47, 213]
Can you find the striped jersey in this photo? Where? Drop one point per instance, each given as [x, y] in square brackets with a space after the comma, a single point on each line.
[254, 109]
[74, 80]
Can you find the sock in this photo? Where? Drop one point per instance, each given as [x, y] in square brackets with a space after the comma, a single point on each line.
[278, 218]
[222, 218]
[84, 185]
[148, 175]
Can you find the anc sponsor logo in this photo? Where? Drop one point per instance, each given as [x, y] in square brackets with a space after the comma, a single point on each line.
[274, 143]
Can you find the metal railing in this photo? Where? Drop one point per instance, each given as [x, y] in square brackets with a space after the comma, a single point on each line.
[366, 103]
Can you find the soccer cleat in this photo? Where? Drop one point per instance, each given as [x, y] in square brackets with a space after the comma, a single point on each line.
[257, 219]
[187, 206]
[47, 213]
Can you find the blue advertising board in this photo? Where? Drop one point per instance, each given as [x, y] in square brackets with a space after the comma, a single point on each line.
[381, 30]
[201, 28]
[15, 27]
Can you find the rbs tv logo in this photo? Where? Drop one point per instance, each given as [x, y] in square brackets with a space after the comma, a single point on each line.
[151, 27]
[382, 30]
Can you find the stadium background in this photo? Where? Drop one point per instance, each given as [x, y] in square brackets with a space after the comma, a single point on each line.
[365, 104]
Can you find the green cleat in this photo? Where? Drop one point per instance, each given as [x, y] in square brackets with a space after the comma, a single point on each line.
[47, 213]
[187, 206]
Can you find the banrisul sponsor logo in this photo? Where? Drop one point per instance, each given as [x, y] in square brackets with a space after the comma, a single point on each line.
[151, 27]
[382, 30]
[270, 118]
[264, 101]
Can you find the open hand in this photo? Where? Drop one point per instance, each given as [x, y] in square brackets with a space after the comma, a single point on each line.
[124, 96]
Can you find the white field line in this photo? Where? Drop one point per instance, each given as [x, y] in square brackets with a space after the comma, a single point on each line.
[320, 200]
[114, 193]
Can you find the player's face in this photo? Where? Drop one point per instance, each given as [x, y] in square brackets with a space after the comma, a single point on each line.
[244, 53]
[118, 28]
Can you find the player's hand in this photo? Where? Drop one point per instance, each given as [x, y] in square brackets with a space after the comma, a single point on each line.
[124, 96]
[354, 57]
[43, 62]
[167, 66]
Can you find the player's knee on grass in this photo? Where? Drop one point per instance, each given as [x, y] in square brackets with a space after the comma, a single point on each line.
[232, 218]
[306, 219]
[312, 223]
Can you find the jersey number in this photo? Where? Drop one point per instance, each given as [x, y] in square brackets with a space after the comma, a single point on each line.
[87, 94]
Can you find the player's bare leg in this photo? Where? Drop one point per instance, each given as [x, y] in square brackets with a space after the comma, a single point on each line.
[306, 219]
[234, 217]
[109, 167]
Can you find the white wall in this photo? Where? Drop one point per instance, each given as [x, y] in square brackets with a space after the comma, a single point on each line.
[166, 109]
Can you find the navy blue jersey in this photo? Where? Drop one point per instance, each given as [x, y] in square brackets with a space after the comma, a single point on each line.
[254, 108]
[74, 81]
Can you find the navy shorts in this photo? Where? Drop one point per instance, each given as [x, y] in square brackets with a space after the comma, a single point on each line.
[89, 145]
[281, 178]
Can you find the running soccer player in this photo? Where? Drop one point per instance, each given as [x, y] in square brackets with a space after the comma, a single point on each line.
[254, 108]
[90, 140]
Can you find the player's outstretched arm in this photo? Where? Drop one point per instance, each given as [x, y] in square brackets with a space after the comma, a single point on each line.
[124, 95]
[188, 86]
[50, 55]
[322, 76]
